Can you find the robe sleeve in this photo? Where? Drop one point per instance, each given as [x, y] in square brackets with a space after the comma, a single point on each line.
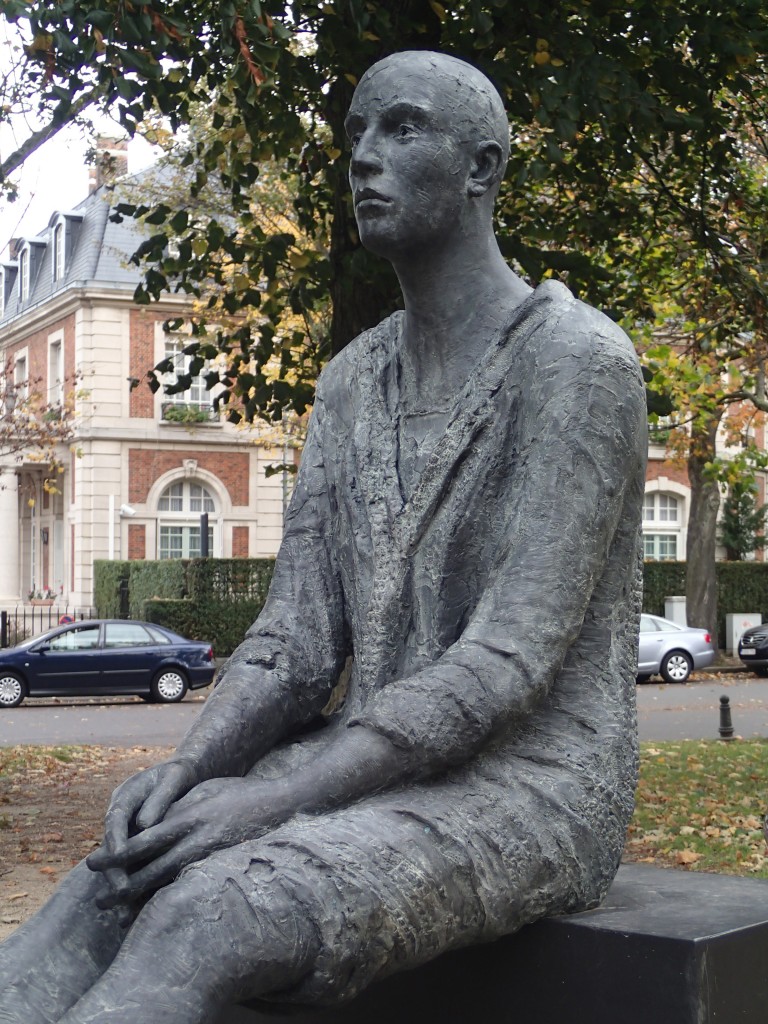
[582, 446]
[282, 674]
[300, 633]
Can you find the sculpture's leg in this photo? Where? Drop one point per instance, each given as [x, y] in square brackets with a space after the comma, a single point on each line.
[198, 944]
[48, 962]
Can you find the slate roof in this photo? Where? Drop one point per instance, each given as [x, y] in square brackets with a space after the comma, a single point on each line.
[96, 252]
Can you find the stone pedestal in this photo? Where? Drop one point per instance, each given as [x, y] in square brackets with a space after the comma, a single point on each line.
[666, 947]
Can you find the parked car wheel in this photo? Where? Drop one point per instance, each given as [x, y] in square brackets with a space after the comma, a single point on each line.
[761, 670]
[13, 690]
[169, 686]
[676, 667]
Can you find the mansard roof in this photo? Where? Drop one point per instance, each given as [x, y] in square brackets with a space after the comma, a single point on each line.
[96, 252]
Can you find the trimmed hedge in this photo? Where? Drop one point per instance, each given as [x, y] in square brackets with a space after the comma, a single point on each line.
[221, 624]
[149, 581]
[213, 599]
[217, 599]
[107, 577]
[661, 580]
[741, 587]
[230, 579]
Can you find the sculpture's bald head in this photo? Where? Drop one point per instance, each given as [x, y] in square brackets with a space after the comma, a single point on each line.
[429, 140]
[467, 96]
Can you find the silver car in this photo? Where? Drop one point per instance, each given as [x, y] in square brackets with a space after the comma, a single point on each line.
[671, 650]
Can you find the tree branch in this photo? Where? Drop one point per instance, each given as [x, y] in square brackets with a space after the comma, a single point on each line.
[39, 138]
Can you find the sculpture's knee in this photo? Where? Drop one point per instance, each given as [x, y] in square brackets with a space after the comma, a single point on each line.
[254, 937]
[191, 904]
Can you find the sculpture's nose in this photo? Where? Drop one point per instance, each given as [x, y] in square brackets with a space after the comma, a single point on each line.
[366, 155]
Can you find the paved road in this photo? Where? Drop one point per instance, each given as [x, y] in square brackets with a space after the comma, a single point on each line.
[693, 711]
[116, 722]
[665, 713]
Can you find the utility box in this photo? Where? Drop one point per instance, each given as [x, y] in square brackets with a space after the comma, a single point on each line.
[735, 624]
[674, 610]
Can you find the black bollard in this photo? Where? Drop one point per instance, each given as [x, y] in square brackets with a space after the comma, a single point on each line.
[726, 725]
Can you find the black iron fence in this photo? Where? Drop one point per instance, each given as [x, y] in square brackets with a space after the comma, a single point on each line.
[29, 620]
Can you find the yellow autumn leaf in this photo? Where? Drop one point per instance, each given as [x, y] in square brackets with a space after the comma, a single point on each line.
[370, 37]
[542, 44]
[351, 79]
[42, 41]
[298, 260]
[199, 246]
[438, 9]
[687, 857]
[333, 153]
[541, 57]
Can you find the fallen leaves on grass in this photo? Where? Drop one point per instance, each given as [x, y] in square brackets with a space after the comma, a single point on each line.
[700, 806]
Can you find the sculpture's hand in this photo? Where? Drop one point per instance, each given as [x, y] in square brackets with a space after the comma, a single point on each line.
[214, 815]
[139, 803]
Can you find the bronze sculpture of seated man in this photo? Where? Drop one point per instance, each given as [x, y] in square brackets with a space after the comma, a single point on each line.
[464, 534]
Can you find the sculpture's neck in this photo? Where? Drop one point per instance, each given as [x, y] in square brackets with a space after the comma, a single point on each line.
[455, 302]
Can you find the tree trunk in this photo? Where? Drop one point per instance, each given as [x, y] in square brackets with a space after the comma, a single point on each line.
[364, 288]
[700, 576]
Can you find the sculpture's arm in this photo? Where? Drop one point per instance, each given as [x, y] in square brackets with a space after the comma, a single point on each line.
[582, 443]
[279, 678]
[282, 674]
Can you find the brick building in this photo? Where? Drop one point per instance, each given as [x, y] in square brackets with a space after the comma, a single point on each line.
[143, 475]
[668, 497]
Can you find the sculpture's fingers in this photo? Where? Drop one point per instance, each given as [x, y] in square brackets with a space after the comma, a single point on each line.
[160, 872]
[173, 783]
[114, 895]
[115, 829]
[126, 801]
[116, 864]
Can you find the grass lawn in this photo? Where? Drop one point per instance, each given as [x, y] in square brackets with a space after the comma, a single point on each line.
[700, 805]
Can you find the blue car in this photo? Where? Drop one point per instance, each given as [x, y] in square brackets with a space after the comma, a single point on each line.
[105, 657]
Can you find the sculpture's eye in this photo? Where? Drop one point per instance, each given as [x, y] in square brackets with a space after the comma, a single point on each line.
[404, 131]
[354, 139]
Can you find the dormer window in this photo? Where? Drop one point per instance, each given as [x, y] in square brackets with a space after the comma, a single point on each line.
[24, 274]
[30, 256]
[8, 274]
[58, 251]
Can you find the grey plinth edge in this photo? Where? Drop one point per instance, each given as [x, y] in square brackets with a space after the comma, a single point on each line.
[671, 947]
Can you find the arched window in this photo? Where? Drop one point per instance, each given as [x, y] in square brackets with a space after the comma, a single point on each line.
[178, 512]
[662, 527]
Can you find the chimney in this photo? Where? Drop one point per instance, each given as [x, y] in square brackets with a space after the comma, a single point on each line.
[110, 162]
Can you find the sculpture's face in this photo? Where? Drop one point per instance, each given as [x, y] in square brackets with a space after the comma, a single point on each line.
[410, 164]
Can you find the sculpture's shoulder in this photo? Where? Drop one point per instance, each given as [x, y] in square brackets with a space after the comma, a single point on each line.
[572, 326]
[349, 376]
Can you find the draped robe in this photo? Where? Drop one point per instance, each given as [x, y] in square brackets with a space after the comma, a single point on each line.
[487, 602]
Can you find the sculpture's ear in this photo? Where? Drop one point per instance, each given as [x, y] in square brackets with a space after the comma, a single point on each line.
[486, 168]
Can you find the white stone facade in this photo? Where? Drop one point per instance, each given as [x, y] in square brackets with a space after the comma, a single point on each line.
[113, 499]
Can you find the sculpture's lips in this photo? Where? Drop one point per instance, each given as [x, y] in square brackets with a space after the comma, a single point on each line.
[363, 195]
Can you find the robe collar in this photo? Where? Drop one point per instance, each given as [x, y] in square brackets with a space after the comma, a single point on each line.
[398, 525]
